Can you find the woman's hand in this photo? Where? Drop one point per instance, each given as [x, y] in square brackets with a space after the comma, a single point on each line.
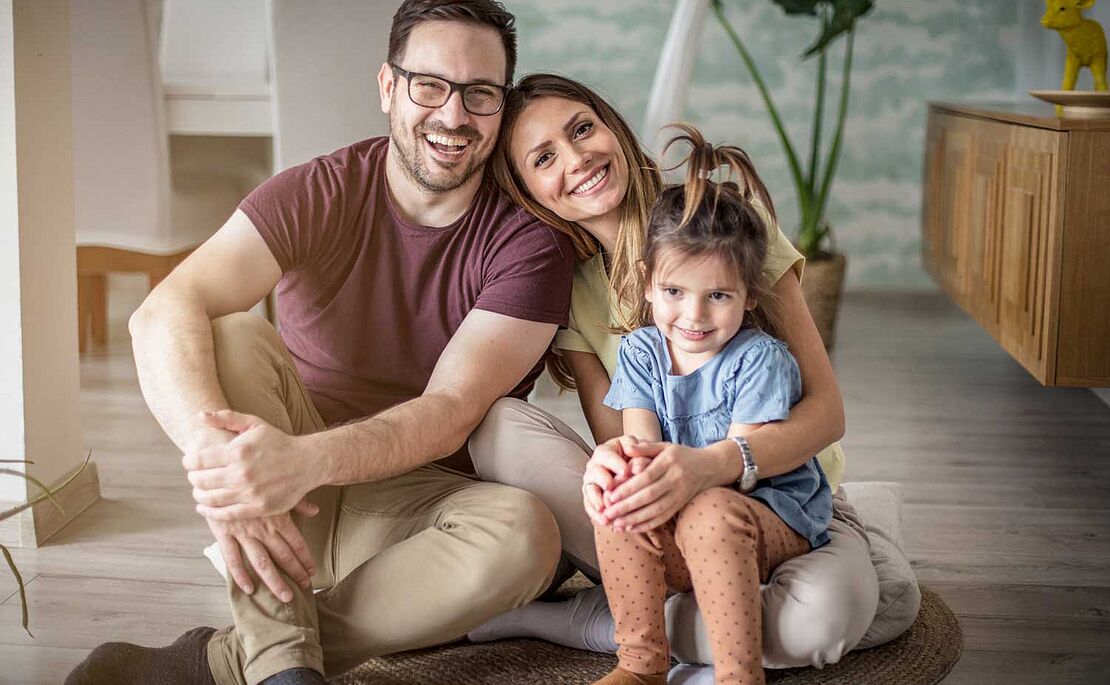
[674, 475]
[607, 468]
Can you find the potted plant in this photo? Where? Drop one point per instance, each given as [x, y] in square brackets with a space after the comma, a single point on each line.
[825, 266]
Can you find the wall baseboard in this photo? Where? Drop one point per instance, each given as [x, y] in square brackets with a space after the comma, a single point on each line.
[1103, 394]
[33, 527]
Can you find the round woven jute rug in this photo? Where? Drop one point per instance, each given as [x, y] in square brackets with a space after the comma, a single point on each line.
[921, 656]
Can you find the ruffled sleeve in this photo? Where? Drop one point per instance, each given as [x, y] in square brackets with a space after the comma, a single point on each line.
[767, 383]
[634, 379]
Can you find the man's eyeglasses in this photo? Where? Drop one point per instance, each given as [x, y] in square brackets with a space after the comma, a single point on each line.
[482, 99]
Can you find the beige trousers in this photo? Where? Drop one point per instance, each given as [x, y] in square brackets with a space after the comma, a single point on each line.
[408, 562]
[816, 607]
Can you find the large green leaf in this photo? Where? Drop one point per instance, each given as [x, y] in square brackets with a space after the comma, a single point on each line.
[845, 13]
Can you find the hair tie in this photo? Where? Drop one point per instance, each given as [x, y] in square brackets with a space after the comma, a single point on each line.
[704, 173]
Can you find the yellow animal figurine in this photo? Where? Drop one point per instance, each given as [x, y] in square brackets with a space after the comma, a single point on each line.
[1084, 37]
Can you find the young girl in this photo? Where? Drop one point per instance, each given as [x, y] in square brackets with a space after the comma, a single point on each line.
[707, 370]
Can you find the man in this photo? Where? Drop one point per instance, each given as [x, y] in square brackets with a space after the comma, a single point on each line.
[412, 296]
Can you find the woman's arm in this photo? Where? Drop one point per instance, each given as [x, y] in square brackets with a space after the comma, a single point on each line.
[593, 384]
[817, 420]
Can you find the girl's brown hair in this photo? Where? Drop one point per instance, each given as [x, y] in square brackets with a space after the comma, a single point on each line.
[702, 217]
[644, 185]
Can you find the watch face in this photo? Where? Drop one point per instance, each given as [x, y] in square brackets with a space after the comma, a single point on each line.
[748, 480]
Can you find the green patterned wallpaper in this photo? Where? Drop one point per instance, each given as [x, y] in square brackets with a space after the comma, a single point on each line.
[907, 53]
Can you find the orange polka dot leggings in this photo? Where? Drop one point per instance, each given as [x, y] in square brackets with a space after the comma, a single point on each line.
[723, 545]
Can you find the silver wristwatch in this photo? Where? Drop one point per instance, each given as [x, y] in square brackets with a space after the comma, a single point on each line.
[750, 475]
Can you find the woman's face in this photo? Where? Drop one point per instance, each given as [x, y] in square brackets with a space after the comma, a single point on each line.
[570, 162]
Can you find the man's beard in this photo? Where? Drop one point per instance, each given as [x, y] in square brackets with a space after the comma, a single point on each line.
[412, 160]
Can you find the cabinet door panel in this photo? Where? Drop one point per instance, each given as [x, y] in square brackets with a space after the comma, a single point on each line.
[984, 217]
[1028, 215]
[951, 237]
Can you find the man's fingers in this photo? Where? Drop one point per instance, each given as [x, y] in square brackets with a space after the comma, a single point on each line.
[286, 559]
[233, 560]
[299, 547]
[232, 512]
[264, 566]
[637, 465]
[207, 458]
[229, 420]
[214, 498]
[208, 479]
[306, 508]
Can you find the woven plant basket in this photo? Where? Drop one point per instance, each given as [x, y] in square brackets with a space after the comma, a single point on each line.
[822, 285]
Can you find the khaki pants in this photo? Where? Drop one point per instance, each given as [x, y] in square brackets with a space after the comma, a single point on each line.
[409, 562]
[815, 609]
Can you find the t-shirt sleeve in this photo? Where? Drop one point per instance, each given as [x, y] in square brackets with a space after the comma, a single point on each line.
[631, 387]
[529, 275]
[570, 338]
[768, 383]
[781, 253]
[299, 212]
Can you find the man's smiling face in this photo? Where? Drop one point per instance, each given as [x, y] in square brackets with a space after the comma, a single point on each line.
[442, 148]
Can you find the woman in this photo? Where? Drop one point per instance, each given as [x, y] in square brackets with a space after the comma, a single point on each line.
[567, 156]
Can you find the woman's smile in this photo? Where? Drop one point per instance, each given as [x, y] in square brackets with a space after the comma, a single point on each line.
[595, 183]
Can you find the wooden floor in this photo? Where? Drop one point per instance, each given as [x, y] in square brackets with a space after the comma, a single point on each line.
[1007, 510]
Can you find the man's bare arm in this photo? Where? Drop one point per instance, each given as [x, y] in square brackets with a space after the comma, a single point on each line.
[172, 332]
[171, 336]
[485, 359]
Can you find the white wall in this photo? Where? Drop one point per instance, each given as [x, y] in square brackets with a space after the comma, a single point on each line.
[326, 61]
[39, 412]
[11, 368]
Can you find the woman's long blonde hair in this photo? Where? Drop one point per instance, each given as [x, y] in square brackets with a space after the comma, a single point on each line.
[644, 184]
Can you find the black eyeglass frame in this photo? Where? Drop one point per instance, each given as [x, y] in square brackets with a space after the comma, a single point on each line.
[460, 87]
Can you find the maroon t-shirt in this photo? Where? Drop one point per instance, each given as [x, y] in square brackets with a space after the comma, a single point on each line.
[368, 300]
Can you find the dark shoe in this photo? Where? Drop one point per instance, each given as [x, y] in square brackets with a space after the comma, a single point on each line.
[185, 662]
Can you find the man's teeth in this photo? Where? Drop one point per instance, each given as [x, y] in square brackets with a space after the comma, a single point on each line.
[591, 182]
[445, 140]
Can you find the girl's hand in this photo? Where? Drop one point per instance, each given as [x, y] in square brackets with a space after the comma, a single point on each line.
[673, 477]
[607, 468]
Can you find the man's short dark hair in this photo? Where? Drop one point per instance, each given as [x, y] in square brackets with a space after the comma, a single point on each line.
[479, 12]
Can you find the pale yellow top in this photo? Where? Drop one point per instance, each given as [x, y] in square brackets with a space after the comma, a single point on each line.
[591, 315]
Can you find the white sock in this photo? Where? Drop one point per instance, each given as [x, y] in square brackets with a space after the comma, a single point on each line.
[690, 674]
[581, 622]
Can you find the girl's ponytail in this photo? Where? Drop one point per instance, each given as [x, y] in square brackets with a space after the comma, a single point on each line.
[704, 160]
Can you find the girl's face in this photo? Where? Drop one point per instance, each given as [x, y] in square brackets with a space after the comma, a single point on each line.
[570, 162]
[698, 303]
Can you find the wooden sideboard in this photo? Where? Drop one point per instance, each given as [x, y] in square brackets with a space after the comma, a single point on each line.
[1016, 229]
